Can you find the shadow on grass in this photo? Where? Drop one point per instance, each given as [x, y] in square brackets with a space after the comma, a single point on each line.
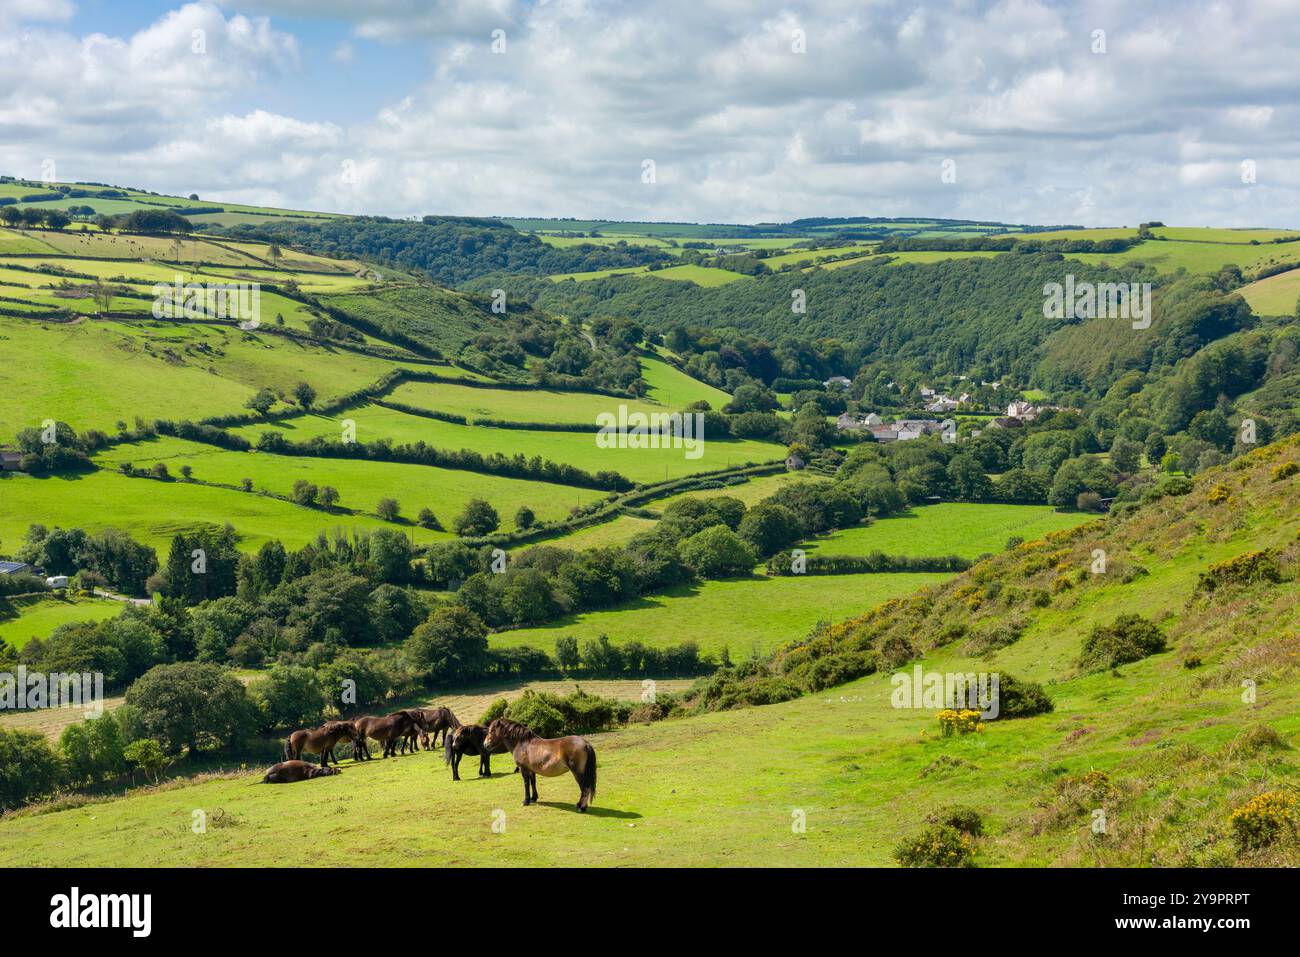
[593, 811]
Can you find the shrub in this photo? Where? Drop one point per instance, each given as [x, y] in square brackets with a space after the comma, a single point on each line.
[964, 819]
[1264, 820]
[1218, 495]
[940, 845]
[958, 722]
[1284, 471]
[497, 709]
[29, 767]
[1128, 638]
[1244, 569]
[388, 509]
[537, 714]
[147, 755]
[1021, 699]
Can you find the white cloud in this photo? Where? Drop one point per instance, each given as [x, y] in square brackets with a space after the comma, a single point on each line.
[741, 126]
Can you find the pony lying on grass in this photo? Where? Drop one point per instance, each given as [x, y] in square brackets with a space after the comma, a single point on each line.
[549, 757]
[287, 772]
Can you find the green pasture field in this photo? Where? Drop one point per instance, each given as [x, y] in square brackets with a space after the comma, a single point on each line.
[37, 617]
[154, 512]
[18, 191]
[361, 484]
[617, 531]
[513, 405]
[18, 241]
[92, 374]
[934, 256]
[672, 387]
[566, 242]
[1275, 296]
[598, 274]
[1210, 234]
[1198, 257]
[811, 255]
[751, 492]
[743, 615]
[964, 529]
[705, 276]
[578, 449]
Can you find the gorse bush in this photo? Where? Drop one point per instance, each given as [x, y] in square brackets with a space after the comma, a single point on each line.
[964, 819]
[958, 722]
[1128, 638]
[940, 845]
[1247, 569]
[1264, 820]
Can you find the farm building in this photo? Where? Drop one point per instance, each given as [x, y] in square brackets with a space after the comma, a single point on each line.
[10, 460]
[17, 568]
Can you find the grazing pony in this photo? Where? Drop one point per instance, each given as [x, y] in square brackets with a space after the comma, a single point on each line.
[548, 757]
[468, 739]
[287, 772]
[388, 730]
[319, 741]
[431, 721]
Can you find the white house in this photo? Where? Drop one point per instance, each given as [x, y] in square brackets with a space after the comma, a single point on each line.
[942, 403]
[1019, 409]
[847, 421]
[838, 380]
[927, 392]
[915, 428]
[871, 420]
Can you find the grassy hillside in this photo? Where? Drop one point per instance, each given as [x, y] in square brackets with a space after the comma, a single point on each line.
[1164, 750]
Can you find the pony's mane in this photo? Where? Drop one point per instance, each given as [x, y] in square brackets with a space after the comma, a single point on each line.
[513, 730]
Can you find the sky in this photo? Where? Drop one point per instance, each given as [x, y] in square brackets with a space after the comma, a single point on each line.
[1097, 112]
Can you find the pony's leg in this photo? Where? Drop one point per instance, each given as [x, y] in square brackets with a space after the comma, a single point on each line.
[532, 777]
[526, 798]
[455, 764]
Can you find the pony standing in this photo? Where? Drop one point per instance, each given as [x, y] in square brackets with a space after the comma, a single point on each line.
[549, 757]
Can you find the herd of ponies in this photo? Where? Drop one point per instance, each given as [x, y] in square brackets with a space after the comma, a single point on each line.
[417, 728]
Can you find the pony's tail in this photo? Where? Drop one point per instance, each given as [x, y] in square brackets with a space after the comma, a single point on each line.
[446, 747]
[588, 782]
[288, 748]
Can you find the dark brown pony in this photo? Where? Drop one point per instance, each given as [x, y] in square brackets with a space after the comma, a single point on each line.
[431, 721]
[319, 741]
[287, 772]
[549, 757]
[388, 730]
[468, 739]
